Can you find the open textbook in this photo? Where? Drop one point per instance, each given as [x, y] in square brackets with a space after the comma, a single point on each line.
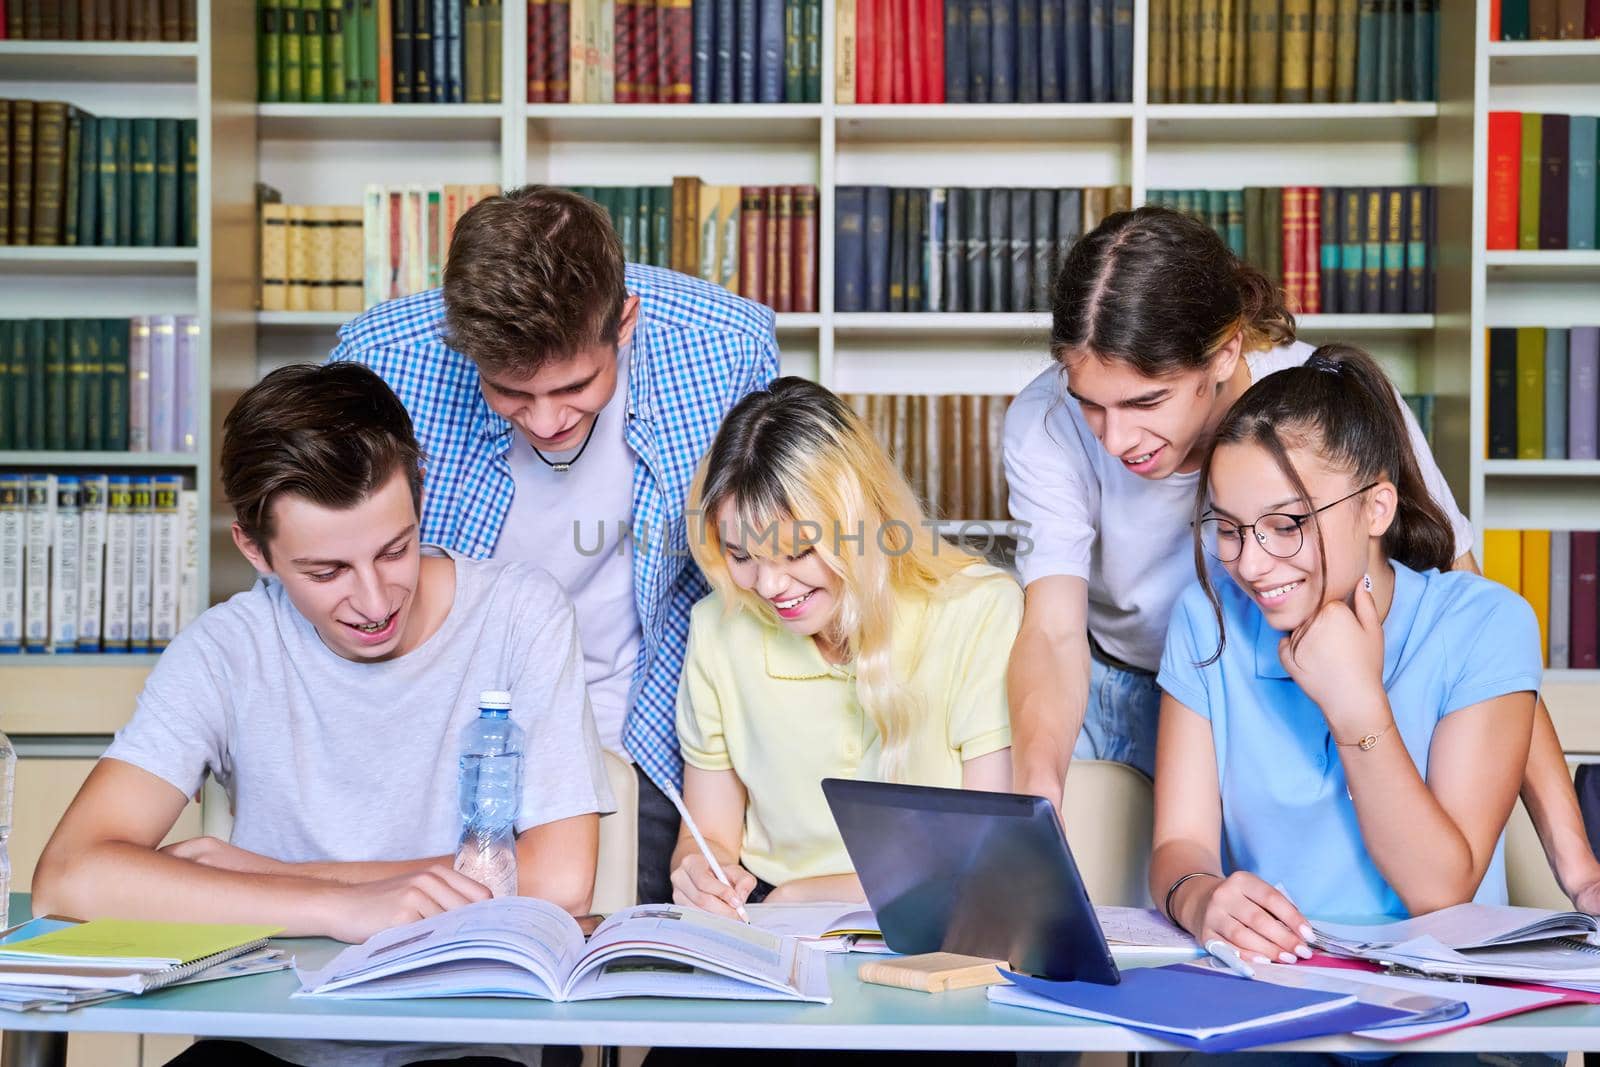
[1479, 940]
[523, 947]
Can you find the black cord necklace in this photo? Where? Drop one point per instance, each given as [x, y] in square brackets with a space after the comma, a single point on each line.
[566, 465]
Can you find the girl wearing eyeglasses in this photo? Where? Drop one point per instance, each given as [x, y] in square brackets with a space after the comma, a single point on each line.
[1157, 330]
[1347, 716]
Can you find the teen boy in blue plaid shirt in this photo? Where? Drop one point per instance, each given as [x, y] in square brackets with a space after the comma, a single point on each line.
[563, 399]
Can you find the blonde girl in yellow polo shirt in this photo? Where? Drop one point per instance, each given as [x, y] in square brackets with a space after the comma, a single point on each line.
[842, 638]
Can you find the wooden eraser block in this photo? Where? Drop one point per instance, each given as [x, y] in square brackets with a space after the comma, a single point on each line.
[933, 972]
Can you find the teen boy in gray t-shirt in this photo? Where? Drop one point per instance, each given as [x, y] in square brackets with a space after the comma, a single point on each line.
[328, 701]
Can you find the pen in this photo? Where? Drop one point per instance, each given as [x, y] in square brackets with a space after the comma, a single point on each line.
[705, 850]
[1230, 957]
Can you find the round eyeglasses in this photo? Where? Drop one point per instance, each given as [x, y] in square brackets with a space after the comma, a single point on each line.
[1279, 533]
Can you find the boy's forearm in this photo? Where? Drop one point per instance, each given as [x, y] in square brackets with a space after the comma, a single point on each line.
[1049, 690]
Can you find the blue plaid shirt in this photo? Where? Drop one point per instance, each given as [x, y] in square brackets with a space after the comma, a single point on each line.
[696, 351]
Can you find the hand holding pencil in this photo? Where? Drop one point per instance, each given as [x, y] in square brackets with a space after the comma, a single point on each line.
[701, 881]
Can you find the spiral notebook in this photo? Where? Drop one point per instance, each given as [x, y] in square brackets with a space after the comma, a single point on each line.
[129, 956]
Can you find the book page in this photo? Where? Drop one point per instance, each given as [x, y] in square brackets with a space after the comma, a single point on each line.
[1463, 926]
[1141, 927]
[813, 920]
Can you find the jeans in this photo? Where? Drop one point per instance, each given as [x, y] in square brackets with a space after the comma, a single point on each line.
[1119, 722]
[658, 836]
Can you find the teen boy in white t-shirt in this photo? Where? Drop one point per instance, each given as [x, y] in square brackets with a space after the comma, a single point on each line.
[328, 700]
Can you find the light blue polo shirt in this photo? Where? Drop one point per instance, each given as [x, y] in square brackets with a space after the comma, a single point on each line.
[1450, 640]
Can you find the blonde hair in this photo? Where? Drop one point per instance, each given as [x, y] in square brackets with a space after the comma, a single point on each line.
[795, 454]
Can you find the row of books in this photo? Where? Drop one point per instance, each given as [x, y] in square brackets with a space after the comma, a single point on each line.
[757, 241]
[957, 249]
[1558, 573]
[69, 178]
[1543, 20]
[984, 51]
[325, 257]
[100, 385]
[1542, 180]
[1334, 251]
[675, 51]
[98, 20]
[97, 562]
[948, 447]
[1544, 392]
[1293, 52]
[379, 51]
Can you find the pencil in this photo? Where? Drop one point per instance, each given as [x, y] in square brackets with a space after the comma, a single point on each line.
[705, 850]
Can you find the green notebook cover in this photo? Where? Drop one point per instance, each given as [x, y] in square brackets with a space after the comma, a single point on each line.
[131, 941]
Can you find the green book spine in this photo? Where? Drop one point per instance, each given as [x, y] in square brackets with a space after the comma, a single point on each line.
[269, 52]
[73, 178]
[77, 402]
[311, 53]
[350, 17]
[166, 183]
[812, 90]
[125, 201]
[1530, 392]
[626, 220]
[143, 208]
[49, 163]
[55, 385]
[1514, 20]
[1272, 201]
[189, 183]
[94, 369]
[1262, 43]
[114, 383]
[661, 199]
[7, 416]
[1255, 226]
[88, 180]
[291, 64]
[1532, 166]
[16, 357]
[1235, 221]
[369, 51]
[22, 172]
[1368, 19]
[33, 374]
[333, 50]
[794, 63]
[109, 184]
[647, 245]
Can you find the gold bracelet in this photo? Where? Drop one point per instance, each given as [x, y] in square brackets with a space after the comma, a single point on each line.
[1366, 742]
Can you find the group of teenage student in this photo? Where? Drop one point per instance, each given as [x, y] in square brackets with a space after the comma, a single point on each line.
[582, 481]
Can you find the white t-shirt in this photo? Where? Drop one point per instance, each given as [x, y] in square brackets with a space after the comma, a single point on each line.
[571, 523]
[1071, 491]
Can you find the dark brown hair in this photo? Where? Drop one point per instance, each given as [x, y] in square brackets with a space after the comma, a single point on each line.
[332, 434]
[1160, 290]
[1342, 406]
[533, 276]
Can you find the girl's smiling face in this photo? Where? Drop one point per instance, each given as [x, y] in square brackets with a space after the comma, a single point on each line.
[1279, 562]
[776, 565]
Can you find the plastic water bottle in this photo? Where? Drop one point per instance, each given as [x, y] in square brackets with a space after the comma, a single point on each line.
[8, 775]
[490, 788]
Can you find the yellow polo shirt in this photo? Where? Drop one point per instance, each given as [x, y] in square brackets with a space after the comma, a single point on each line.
[762, 701]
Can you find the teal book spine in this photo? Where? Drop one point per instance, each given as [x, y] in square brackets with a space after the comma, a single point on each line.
[167, 200]
[110, 180]
[33, 373]
[1581, 189]
[14, 357]
[72, 178]
[189, 183]
[88, 180]
[55, 384]
[144, 203]
[94, 402]
[77, 401]
[124, 170]
[114, 382]
[1555, 393]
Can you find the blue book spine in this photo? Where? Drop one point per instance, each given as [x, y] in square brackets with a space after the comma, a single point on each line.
[955, 51]
[1367, 28]
[1122, 51]
[850, 248]
[439, 28]
[456, 82]
[1050, 12]
[726, 35]
[1027, 51]
[877, 248]
[1581, 138]
[1424, 51]
[769, 64]
[748, 48]
[1555, 393]
[1002, 51]
[1100, 51]
[1075, 52]
[1402, 55]
[705, 48]
[978, 57]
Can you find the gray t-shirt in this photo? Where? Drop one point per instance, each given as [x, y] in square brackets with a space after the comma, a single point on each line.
[1091, 518]
[325, 759]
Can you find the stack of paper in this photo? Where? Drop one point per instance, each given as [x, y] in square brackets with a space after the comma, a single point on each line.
[1481, 941]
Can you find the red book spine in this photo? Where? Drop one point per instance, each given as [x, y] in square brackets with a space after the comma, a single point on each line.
[663, 61]
[1293, 238]
[538, 51]
[1585, 645]
[867, 52]
[1494, 20]
[784, 195]
[752, 228]
[1591, 20]
[559, 53]
[769, 249]
[892, 51]
[805, 248]
[1505, 177]
[1311, 247]
[913, 62]
[3, 21]
[626, 85]
[644, 53]
[933, 30]
[678, 32]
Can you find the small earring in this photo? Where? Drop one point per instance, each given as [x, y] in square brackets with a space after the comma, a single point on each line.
[1366, 582]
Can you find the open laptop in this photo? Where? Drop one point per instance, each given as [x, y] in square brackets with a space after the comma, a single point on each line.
[982, 874]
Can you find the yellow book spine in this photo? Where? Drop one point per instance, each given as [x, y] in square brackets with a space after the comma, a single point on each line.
[1536, 581]
[1502, 558]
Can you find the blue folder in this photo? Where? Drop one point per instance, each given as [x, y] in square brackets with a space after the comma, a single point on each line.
[1153, 999]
